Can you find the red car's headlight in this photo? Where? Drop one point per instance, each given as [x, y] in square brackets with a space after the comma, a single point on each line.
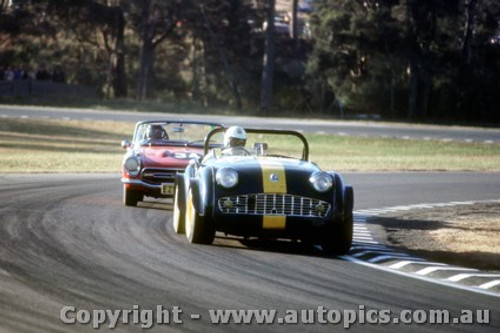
[132, 165]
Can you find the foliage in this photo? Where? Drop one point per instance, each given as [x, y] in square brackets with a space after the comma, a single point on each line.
[408, 58]
[420, 60]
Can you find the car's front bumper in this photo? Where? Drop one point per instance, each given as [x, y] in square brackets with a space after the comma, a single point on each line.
[154, 190]
[274, 226]
[141, 183]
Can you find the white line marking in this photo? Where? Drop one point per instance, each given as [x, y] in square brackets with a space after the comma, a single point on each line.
[387, 257]
[429, 270]
[404, 263]
[358, 234]
[422, 278]
[373, 247]
[362, 253]
[461, 277]
[490, 284]
[362, 236]
[367, 247]
[370, 242]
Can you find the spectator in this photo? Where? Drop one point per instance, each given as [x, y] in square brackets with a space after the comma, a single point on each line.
[58, 75]
[42, 74]
[18, 73]
[9, 74]
[29, 74]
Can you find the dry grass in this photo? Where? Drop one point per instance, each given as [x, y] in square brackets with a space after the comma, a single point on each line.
[467, 234]
[61, 145]
[462, 235]
[51, 145]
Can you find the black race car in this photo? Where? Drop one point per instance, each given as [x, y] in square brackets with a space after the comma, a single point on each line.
[264, 193]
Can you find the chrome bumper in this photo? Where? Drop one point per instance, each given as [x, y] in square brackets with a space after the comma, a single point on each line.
[139, 182]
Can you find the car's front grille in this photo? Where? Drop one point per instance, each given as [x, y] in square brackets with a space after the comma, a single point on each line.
[159, 175]
[273, 204]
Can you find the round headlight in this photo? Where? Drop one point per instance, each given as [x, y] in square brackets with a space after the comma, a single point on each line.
[226, 177]
[132, 165]
[321, 181]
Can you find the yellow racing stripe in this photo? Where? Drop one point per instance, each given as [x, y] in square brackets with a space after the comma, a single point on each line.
[273, 178]
[274, 182]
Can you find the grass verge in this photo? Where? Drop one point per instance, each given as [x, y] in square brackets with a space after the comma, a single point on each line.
[50, 145]
[29, 145]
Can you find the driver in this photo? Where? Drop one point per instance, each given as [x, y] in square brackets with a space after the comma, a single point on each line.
[235, 139]
[157, 132]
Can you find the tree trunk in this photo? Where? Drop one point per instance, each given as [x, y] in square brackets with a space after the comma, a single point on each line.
[470, 13]
[147, 54]
[225, 62]
[195, 69]
[119, 77]
[415, 58]
[293, 30]
[392, 96]
[425, 95]
[145, 69]
[413, 93]
[266, 92]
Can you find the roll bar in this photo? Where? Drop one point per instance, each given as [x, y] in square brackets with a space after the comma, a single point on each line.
[305, 150]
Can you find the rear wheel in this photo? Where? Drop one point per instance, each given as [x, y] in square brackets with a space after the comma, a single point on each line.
[199, 229]
[131, 197]
[179, 213]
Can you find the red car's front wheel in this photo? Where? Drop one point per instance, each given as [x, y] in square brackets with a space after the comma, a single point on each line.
[131, 197]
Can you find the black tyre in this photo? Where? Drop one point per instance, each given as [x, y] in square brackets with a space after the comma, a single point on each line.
[131, 197]
[199, 229]
[339, 241]
[179, 213]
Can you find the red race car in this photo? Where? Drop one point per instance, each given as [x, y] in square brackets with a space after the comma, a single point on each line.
[158, 150]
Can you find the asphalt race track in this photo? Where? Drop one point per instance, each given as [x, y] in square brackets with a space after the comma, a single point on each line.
[67, 240]
[355, 128]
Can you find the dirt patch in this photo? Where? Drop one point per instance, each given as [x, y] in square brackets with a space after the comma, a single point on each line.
[463, 235]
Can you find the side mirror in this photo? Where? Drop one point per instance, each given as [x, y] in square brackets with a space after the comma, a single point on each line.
[126, 144]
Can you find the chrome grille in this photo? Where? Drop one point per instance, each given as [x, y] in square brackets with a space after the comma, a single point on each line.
[273, 204]
[159, 175]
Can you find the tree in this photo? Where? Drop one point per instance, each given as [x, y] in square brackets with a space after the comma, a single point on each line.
[157, 20]
[356, 53]
[266, 94]
[431, 58]
[222, 55]
[71, 24]
[214, 39]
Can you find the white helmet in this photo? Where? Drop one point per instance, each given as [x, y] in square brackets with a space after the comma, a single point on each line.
[235, 136]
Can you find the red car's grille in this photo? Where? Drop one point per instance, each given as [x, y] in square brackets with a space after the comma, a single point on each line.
[274, 204]
[158, 176]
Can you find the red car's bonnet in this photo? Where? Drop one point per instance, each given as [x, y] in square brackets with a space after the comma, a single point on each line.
[164, 156]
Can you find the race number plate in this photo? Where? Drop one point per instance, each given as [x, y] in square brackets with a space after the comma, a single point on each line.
[167, 189]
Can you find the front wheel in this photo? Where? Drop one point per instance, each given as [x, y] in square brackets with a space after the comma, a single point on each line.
[131, 197]
[199, 229]
[338, 240]
[179, 213]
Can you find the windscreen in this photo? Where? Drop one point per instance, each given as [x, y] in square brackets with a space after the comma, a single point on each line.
[171, 133]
